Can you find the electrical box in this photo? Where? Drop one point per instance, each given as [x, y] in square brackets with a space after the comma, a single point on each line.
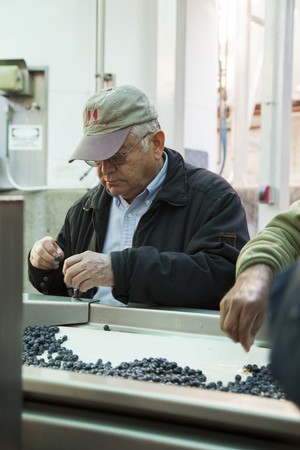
[15, 78]
[10, 78]
[23, 125]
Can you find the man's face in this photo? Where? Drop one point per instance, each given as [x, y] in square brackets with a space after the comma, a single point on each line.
[130, 179]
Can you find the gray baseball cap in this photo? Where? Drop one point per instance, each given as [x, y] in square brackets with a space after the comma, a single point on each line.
[107, 119]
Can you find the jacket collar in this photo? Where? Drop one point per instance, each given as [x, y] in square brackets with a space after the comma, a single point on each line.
[173, 191]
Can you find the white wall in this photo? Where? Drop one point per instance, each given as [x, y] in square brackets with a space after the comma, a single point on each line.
[131, 43]
[201, 81]
[61, 36]
[151, 44]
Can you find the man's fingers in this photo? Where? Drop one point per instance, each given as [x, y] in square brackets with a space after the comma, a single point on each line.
[223, 312]
[88, 269]
[71, 261]
[251, 319]
[52, 249]
[46, 254]
[77, 279]
[230, 323]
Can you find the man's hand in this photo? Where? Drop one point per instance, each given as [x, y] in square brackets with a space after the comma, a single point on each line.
[242, 309]
[46, 254]
[87, 270]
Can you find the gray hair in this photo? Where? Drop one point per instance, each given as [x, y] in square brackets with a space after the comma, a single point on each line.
[143, 128]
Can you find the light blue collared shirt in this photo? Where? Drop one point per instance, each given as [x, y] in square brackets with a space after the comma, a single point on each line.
[122, 223]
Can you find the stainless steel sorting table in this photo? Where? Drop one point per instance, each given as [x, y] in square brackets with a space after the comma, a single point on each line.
[66, 410]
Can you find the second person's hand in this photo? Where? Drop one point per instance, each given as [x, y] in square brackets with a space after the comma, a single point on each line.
[242, 309]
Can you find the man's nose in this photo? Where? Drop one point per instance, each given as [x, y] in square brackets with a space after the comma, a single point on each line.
[107, 167]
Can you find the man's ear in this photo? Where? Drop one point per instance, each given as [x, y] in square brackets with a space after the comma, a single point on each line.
[158, 141]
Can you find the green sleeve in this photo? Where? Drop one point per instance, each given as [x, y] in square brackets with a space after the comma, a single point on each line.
[277, 245]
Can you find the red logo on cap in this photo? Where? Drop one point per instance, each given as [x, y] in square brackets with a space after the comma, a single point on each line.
[92, 118]
[92, 114]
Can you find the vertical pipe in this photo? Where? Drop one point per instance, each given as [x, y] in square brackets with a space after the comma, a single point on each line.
[180, 75]
[240, 126]
[201, 59]
[100, 44]
[276, 107]
[166, 65]
[11, 283]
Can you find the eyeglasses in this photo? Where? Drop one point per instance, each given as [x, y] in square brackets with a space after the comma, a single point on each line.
[119, 158]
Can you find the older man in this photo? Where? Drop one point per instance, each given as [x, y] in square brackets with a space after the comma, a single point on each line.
[155, 230]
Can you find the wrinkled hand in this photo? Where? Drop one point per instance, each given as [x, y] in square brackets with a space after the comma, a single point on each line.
[46, 254]
[242, 309]
[87, 270]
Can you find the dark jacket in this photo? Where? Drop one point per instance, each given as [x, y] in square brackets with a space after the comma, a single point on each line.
[184, 248]
[284, 328]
